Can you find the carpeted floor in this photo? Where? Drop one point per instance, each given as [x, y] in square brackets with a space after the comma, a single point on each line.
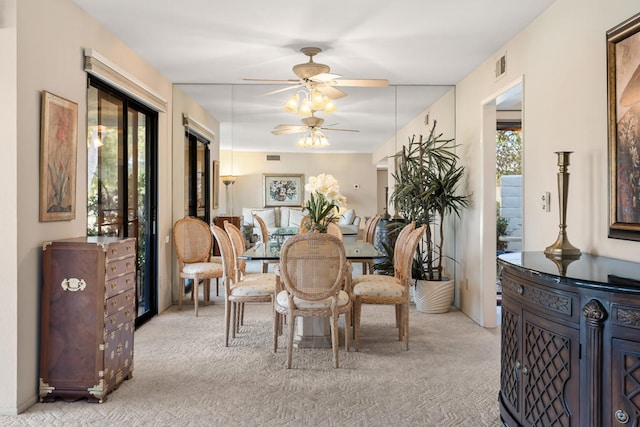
[185, 376]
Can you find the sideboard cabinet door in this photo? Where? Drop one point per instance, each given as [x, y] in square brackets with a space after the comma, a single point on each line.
[87, 317]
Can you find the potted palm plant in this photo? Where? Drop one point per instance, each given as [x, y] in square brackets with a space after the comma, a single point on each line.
[427, 180]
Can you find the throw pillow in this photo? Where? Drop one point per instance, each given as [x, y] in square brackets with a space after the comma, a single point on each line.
[268, 216]
[295, 216]
[347, 217]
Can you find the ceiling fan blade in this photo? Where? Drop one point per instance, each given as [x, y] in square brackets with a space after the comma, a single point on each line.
[284, 89]
[324, 77]
[331, 91]
[341, 130]
[292, 81]
[288, 131]
[362, 83]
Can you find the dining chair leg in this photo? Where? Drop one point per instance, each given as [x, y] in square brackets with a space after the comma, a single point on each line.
[405, 325]
[348, 330]
[290, 343]
[356, 322]
[196, 296]
[334, 338]
[234, 307]
[227, 321]
[276, 327]
[181, 287]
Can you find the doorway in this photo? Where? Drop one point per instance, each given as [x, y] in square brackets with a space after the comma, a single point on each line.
[121, 174]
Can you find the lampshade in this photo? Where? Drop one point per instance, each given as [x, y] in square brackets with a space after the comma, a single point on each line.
[304, 103]
[292, 104]
[314, 139]
[228, 179]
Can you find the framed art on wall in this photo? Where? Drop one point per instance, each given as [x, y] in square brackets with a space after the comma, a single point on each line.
[58, 151]
[623, 89]
[283, 189]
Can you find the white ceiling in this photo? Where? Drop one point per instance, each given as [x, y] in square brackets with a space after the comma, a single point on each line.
[207, 47]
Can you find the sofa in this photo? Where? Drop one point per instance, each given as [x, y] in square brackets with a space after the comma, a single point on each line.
[284, 216]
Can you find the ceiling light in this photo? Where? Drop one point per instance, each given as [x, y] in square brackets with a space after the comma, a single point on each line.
[305, 102]
[314, 139]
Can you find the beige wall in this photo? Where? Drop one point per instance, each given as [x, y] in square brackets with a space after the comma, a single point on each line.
[9, 195]
[561, 58]
[348, 169]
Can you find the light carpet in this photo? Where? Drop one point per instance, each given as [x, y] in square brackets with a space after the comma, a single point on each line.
[183, 375]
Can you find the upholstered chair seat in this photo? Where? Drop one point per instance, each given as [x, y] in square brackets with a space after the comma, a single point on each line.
[283, 300]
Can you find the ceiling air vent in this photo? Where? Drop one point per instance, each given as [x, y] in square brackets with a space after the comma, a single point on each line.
[501, 66]
[273, 157]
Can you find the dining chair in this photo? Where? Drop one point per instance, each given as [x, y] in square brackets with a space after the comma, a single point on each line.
[369, 237]
[303, 224]
[264, 237]
[237, 291]
[313, 270]
[239, 247]
[193, 243]
[379, 289]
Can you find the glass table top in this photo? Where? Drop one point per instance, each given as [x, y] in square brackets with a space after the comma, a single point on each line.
[271, 251]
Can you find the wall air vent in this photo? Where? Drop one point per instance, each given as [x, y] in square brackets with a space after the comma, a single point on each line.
[273, 157]
[501, 66]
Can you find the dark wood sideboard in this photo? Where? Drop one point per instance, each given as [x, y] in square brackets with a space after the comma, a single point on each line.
[570, 352]
[87, 317]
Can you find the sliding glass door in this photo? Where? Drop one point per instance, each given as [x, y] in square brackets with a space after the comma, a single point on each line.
[121, 163]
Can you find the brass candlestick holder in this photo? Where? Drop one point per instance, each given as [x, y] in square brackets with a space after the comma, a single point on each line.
[562, 248]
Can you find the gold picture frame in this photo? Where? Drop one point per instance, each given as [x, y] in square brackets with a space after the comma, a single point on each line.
[283, 189]
[623, 90]
[58, 158]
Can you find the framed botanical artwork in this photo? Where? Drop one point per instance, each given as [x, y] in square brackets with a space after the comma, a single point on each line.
[283, 189]
[216, 184]
[623, 69]
[58, 152]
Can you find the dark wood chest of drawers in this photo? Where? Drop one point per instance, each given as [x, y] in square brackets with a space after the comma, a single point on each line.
[87, 318]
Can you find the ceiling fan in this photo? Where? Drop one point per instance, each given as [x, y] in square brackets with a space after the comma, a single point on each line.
[314, 138]
[316, 76]
[309, 123]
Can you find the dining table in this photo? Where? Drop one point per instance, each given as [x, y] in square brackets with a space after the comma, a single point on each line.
[312, 332]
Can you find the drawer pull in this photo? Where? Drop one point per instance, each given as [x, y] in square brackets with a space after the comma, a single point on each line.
[622, 416]
[73, 284]
[525, 370]
[520, 290]
[114, 285]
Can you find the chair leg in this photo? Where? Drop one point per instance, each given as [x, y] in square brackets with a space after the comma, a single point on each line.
[227, 321]
[234, 315]
[334, 338]
[276, 326]
[241, 314]
[181, 287]
[356, 322]
[347, 330]
[196, 296]
[405, 325]
[290, 343]
[217, 286]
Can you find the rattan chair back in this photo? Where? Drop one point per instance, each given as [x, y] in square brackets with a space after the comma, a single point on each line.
[226, 254]
[192, 240]
[399, 246]
[264, 233]
[335, 230]
[313, 265]
[239, 247]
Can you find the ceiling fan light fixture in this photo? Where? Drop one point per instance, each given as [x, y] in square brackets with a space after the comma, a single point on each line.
[292, 103]
[314, 139]
[329, 106]
[306, 108]
[318, 100]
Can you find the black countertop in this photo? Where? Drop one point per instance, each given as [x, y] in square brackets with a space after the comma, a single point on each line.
[587, 270]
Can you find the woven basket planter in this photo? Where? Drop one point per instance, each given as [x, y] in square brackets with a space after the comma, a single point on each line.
[434, 296]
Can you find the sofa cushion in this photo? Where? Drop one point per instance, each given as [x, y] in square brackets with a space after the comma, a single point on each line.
[295, 216]
[347, 217]
[268, 215]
